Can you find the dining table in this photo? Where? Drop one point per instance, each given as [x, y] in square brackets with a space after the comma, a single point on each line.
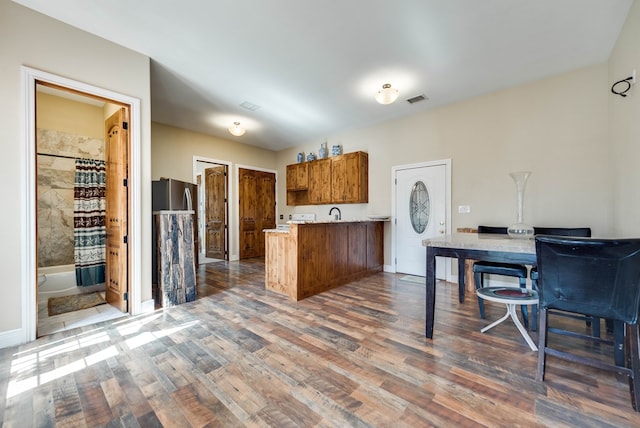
[474, 246]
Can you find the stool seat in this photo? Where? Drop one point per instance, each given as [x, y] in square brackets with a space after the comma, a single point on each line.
[510, 296]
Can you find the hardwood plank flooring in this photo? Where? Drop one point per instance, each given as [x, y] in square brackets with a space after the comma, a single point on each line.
[352, 356]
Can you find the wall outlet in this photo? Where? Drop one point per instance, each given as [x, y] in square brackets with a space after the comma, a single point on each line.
[281, 216]
[464, 209]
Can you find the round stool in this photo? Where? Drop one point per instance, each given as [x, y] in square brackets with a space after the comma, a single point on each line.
[512, 297]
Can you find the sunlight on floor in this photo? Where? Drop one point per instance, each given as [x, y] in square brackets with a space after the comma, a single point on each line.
[26, 362]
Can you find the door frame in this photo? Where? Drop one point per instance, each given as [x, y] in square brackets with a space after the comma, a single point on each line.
[201, 219]
[236, 207]
[29, 283]
[394, 225]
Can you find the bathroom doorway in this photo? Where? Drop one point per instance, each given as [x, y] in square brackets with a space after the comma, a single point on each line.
[82, 209]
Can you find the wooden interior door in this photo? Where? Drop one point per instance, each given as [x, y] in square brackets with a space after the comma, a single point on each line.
[216, 209]
[248, 209]
[266, 182]
[116, 151]
[257, 210]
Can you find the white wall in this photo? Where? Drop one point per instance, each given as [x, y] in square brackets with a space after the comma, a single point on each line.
[31, 39]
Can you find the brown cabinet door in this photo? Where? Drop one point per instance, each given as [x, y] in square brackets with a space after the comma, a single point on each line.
[320, 181]
[357, 247]
[375, 245]
[297, 176]
[350, 178]
[338, 179]
[313, 248]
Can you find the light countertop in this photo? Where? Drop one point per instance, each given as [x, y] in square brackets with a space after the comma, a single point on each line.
[482, 241]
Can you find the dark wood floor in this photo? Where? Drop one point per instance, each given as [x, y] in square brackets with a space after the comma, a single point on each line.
[354, 356]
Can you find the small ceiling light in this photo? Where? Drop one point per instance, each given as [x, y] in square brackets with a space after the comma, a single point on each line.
[387, 94]
[237, 130]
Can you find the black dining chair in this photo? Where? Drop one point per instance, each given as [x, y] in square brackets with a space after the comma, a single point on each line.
[481, 268]
[584, 232]
[596, 277]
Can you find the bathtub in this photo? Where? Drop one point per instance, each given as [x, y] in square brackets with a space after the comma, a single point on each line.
[57, 281]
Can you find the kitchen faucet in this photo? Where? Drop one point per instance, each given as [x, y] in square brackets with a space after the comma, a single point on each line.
[339, 215]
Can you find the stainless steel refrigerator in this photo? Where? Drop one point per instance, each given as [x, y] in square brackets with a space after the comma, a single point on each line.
[171, 194]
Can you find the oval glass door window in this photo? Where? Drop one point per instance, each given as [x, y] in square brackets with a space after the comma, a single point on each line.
[419, 207]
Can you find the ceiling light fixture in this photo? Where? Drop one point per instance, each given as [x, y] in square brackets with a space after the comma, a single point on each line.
[387, 94]
[236, 130]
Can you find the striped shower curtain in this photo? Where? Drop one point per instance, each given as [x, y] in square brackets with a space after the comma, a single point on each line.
[89, 229]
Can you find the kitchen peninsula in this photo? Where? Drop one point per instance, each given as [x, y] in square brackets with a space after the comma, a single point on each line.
[312, 257]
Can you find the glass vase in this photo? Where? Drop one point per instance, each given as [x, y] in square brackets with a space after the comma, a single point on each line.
[520, 229]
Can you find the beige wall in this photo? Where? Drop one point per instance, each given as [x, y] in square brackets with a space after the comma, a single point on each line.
[579, 140]
[624, 118]
[556, 127]
[172, 155]
[31, 39]
[73, 117]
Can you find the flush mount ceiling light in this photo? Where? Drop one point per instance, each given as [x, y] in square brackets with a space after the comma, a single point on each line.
[237, 130]
[387, 94]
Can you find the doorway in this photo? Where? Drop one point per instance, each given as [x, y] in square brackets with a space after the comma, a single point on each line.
[82, 209]
[212, 177]
[421, 198]
[29, 281]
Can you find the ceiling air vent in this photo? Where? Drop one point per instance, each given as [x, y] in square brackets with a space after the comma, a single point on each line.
[416, 99]
[249, 106]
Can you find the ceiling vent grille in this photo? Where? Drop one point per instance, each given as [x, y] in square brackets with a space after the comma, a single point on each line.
[416, 99]
[249, 106]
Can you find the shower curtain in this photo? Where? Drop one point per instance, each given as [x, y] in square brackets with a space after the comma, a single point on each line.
[89, 231]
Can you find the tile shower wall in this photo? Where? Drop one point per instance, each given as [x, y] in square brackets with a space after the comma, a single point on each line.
[55, 192]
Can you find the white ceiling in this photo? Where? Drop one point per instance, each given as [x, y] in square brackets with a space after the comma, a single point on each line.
[314, 66]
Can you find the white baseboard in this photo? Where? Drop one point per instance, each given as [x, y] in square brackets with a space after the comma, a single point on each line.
[147, 306]
[11, 338]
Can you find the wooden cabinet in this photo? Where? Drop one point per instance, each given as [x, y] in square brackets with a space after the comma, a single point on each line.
[341, 179]
[312, 258]
[297, 176]
[350, 178]
[320, 182]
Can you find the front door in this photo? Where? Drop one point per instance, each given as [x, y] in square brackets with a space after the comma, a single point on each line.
[215, 179]
[117, 275]
[420, 213]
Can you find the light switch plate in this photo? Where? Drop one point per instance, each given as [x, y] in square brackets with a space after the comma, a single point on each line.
[464, 209]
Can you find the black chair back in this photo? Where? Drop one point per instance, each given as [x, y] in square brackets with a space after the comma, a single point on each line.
[563, 231]
[599, 277]
[492, 229]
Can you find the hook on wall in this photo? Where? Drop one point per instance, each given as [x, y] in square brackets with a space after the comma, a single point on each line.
[628, 82]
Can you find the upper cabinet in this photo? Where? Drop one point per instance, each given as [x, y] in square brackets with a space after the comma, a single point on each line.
[341, 179]
[298, 176]
[320, 172]
[350, 178]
